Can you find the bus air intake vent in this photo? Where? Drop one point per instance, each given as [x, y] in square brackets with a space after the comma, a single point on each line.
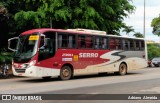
[20, 70]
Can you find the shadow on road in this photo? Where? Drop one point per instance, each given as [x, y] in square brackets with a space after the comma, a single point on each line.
[10, 76]
[102, 75]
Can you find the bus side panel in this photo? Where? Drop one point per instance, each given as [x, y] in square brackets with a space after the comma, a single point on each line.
[133, 60]
[94, 61]
[80, 59]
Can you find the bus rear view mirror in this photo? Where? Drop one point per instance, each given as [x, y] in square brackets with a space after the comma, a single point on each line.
[42, 42]
[12, 43]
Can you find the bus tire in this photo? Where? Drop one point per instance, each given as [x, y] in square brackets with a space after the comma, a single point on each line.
[122, 69]
[65, 73]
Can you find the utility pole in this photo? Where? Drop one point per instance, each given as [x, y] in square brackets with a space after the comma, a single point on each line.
[50, 19]
[144, 31]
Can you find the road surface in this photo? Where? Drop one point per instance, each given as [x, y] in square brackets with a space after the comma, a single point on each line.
[144, 81]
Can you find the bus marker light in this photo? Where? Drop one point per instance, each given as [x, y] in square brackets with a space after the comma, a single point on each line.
[75, 58]
[55, 64]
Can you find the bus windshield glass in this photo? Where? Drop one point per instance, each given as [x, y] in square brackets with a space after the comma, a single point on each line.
[26, 48]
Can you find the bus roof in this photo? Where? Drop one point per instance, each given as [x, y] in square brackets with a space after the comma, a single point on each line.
[76, 31]
[42, 30]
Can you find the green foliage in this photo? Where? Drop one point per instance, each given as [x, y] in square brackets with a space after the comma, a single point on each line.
[156, 26]
[139, 35]
[153, 51]
[106, 15]
[5, 56]
[22, 15]
[128, 29]
[3, 10]
[28, 17]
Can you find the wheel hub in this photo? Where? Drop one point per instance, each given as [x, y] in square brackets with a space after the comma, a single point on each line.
[65, 73]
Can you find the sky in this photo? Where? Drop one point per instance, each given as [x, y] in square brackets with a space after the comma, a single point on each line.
[137, 18]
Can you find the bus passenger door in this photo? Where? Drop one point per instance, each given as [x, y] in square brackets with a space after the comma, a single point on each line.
[47, 46]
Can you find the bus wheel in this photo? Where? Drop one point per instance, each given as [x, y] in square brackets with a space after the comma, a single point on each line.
[65, 73]
[122, 69]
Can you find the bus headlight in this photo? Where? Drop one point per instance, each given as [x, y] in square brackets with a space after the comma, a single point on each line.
[27, 65]
[32, 63]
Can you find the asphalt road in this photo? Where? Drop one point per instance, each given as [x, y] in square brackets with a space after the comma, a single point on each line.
[144, 81]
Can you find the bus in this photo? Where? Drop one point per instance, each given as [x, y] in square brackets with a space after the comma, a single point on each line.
[65, 53]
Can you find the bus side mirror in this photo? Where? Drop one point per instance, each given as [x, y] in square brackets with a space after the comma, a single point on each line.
[12, 43]
[42, 42]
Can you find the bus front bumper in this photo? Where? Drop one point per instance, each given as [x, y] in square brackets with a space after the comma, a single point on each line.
[35, 71]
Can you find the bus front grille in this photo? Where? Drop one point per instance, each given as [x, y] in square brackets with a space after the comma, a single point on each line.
[20, 70]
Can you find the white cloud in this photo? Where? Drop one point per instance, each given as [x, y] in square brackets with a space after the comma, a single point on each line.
[137, 19]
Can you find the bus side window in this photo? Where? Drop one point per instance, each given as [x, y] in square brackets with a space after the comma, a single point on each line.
[112, 44]
[96, 46]
[131, 45]
[59, 41]
[128, 43]
[104, 43]
[81, 42]
[89, 42]
[117, 44]
[100, 43]
[137, 45]
[71, 41]
[64, 41]
[142, 45]
[92, 42]
[125, 44]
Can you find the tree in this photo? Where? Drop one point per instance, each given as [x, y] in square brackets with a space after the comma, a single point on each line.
[128, 29]
[156, 26]
[3, 25]
[3, 10]
[106, 15]
[4, 17]
[153, 50]
[139, 35]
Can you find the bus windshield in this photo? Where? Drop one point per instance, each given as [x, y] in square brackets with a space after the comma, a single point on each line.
[26, 48]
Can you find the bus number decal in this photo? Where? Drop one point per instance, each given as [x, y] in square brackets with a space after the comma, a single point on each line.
[34, 37]
[65, 54]
[66, 59]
